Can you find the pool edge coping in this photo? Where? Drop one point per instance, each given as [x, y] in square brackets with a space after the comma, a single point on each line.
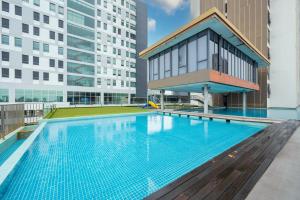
[94, 116]
[13, 160]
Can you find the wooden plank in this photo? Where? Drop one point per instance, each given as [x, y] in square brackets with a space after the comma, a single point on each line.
[232, 174]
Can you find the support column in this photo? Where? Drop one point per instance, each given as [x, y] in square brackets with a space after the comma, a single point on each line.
[244, 103]
[129, 99]
[162, 103]
[205, 91]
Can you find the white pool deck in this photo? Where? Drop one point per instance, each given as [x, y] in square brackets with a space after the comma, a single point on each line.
[281, 181]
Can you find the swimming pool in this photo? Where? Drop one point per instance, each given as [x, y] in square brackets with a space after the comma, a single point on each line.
[120, 157]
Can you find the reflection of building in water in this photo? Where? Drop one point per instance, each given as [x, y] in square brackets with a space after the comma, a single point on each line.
[157, 123]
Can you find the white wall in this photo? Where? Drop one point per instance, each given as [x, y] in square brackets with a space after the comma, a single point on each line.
[284, 69]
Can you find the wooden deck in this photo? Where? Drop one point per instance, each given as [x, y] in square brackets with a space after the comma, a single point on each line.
[227, 118]
[234, 173]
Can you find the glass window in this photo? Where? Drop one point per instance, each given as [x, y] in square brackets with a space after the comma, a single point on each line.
[4, 95]
[5, 56]
[80, 68]
[155, 69]
[5, 23]
[80, 44]
[76, 30]
[161, 66]
[46, 19]
[192, 55]
[18, 42]
[5, 6]
[46, 47]
[81, 7]
[18, 73]
[25, 28]
[5, 39]
[18, 10]
[80, 81]
[80, 56]
[5, 72]
[81, 19]
[35, 46]
[182, 55]
[168, 64]
[25, 59]
[175, 61]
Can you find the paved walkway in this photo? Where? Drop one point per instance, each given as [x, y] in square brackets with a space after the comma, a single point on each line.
[282, 178]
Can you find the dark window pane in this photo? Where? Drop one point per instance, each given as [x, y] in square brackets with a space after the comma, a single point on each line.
[5, 6]
[5, 72]
[5, 23]
[25, 28]
[5, 56]
[18, 73]
[18, 10]
[25, 59]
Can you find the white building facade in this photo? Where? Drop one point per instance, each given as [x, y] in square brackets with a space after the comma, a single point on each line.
[75, 51]
[285, 59]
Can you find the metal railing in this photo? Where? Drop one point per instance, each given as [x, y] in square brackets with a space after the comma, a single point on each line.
[11, 118]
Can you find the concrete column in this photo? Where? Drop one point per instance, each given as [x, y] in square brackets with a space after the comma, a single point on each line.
[102, 98]
[162, 103]
[205, 91]
[244, 102]
[129, 98]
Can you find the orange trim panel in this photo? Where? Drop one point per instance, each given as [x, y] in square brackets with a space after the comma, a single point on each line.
[217, 77]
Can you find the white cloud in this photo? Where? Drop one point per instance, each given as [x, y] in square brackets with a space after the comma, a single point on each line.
[151, 24]
[169, 6]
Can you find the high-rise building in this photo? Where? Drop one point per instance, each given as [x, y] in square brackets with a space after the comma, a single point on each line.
[285, 54]
[76, 51]
[251, 17]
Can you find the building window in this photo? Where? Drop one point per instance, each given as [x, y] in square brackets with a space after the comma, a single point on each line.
[46, 19]
[18, 73]
[60, 10]
[25, 28]
[18, 10]
[5, 56]
[52, 7]
[60, 77]
[25, 59]
[60, 64]
[36, 60]
[60, 37]
[60, 23]
[18, 42]
[36, 16]
[36, 2]
[35, 46]
[5, 39]
[52, 35]
[5, 6]
[46, 76]
[5, 72]
[60, 50]
[46, 48]
[51, 63]
[36, 31]
[5, 23]
[35, 75]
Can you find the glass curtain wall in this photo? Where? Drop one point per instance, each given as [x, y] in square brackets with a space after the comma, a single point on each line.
[206, 50]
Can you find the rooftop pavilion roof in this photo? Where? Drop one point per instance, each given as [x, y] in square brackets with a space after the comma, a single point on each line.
[215, 20]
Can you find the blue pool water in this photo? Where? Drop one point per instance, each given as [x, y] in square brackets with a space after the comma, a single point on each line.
[5, 154]
[124, 157]
[251, 112]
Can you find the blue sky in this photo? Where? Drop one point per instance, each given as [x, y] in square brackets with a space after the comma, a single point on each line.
[165, 16]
